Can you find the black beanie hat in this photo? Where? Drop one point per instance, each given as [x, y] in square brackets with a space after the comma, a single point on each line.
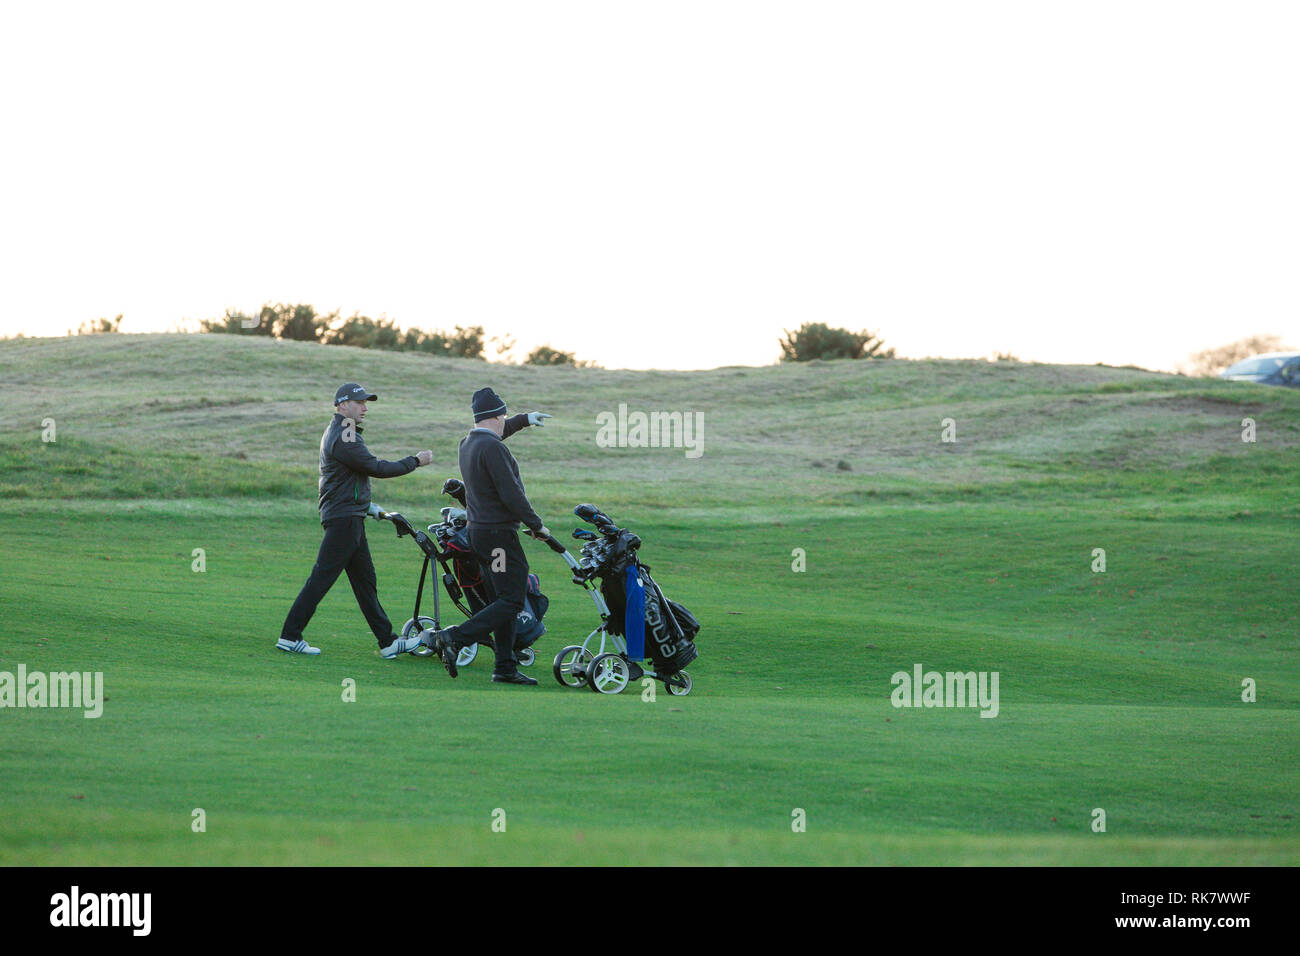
[487, 404]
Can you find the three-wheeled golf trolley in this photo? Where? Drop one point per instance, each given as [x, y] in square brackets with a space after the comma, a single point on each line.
[641, 632]
[448, 545]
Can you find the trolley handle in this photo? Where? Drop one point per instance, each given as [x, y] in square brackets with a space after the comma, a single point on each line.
[549, 541]
[397, 518]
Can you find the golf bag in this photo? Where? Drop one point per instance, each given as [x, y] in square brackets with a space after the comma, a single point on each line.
[465, 581]
[641, 634]
[447, 544]
[652, 625]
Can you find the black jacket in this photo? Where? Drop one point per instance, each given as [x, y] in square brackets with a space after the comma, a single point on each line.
[346, 468]
[494, 493]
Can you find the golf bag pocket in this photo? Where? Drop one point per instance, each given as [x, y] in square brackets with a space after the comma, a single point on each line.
[685, 620]
[528, 623]
[666, 640]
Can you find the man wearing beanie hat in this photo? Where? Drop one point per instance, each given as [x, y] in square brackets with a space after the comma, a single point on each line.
[346, 467]
[495, 506]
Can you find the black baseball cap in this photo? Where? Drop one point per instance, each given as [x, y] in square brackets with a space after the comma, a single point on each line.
[352, 392]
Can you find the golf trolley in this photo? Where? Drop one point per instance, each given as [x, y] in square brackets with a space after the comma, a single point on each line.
[641, 619]
[446, 544]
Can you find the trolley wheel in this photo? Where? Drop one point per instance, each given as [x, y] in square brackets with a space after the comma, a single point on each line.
[467, 655]
[678, 690]
[526, 656]
[410, 628]
[608, 674]
[570, 667]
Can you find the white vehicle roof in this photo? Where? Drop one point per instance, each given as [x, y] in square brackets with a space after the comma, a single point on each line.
[1263, 355]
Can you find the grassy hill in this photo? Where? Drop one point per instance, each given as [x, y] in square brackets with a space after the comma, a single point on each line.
[1119, 690]
[209, 416]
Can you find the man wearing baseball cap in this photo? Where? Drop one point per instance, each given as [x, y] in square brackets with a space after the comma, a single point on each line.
[495, 505]
[346, 467]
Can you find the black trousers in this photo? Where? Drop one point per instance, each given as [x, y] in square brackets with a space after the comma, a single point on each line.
[505, 578]
[344, 548]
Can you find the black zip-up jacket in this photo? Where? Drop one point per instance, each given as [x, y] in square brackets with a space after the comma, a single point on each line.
[346, 468]
[494, 493]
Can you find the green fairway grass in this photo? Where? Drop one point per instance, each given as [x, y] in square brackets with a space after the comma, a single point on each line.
[1119, 691]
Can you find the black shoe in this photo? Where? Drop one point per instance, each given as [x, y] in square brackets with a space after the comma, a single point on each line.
[513, 678]
[447, 650]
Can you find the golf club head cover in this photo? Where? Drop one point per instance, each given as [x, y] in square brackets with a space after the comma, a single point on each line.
[456, 488]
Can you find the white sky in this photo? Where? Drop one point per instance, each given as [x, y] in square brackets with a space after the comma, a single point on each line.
[667, 183]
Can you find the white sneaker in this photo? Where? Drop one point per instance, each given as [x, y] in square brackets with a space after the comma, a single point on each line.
[400, 645]
[296, 647]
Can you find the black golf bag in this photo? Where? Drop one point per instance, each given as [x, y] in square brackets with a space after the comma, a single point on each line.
[466, 578]
[653, 626]
[667, 629]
